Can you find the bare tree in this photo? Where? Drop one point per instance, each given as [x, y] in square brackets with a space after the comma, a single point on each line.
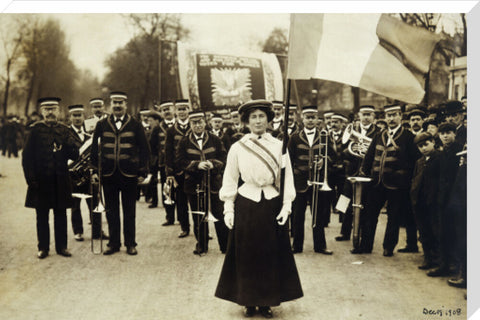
[12, 35]
[135, 67]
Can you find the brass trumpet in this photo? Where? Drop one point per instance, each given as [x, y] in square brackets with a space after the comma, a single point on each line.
[319, 160]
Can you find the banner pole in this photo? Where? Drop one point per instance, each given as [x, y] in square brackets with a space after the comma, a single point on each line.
[160, 70]
[285, 140]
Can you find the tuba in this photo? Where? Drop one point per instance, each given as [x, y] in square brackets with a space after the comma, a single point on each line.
[358, 144]
[80, 169]
[320, 161]
[357, 206]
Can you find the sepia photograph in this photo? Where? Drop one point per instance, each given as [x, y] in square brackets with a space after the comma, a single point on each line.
[167, 162]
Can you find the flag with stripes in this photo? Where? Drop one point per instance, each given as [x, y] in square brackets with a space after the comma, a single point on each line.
[375, 52]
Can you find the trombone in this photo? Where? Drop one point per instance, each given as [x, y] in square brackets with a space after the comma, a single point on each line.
[204, 205]
[320, 159]
[204, 200]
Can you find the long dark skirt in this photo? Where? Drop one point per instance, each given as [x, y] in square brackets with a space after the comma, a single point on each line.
[259, 268]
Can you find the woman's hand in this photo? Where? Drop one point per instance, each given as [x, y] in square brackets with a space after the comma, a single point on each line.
[228, 218]
[283, 216]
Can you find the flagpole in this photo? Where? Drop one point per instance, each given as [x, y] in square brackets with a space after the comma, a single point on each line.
[285, 139]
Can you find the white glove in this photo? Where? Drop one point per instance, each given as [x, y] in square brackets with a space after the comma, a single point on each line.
[283, 216]
[228, 218]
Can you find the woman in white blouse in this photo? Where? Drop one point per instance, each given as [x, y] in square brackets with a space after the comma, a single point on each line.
[259, 269]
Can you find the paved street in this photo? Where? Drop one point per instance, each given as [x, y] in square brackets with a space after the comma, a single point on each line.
[166, 281]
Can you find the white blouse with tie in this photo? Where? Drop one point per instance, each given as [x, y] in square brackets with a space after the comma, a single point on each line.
[256, 176]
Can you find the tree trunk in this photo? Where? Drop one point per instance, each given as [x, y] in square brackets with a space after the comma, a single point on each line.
[29, 93]
[7, 88]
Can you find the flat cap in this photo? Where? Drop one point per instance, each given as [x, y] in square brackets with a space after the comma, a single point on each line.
[447, 126]
[421, 137]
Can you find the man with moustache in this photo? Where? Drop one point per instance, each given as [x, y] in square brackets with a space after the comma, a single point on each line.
[124, 155]
[416, 117]
[47, 149]
[175, 174]
[389, 161]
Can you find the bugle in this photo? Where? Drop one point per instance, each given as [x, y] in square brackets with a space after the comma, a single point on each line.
[357, 206]
[320, 161]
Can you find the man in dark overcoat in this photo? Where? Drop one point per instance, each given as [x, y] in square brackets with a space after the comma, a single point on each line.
[202, 157]
[48, 148]
[124, 155]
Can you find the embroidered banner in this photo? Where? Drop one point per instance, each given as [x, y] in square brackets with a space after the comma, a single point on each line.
[216, 81]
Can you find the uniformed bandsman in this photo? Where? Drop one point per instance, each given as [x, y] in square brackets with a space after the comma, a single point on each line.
[327, 118]
[352, 162]
[166, 109]
[47, 149]
[277, 122]
[202, 157]
[303, 145]
[97, 107]
[144, 119]
[77, 129]
[175, 174]
[292, 125]
[216, 123]
[154, 119]
[390, 160]
[124, 155]
[238, 130]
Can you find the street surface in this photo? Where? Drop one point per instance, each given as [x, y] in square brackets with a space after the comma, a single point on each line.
[166, 281]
